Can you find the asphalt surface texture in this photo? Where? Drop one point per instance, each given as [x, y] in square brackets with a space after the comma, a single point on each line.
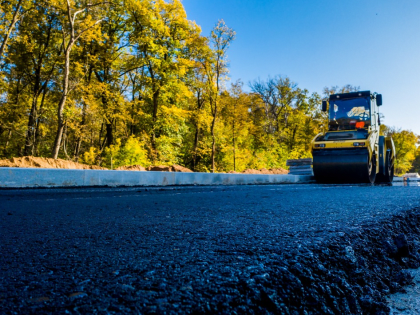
[280, 249]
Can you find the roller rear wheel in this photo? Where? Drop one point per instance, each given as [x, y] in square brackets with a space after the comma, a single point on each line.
[389, 170]
[370, 175]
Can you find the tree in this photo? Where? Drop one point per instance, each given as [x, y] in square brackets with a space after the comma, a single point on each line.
[344, 89]
[36, 52]
[109, 67]
[216, 66]
[416, 163]
[162, 40]
[405, 148]
[238, 122]
[77, 19]
[291, 116]
[10, 13]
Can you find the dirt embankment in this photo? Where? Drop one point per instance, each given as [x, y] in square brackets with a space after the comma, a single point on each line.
[155, 168]
[131, 168]
[40, 162]
[271, 171]
[173, 168]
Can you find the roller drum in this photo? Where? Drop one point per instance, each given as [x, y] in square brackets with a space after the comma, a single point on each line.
[341, 165]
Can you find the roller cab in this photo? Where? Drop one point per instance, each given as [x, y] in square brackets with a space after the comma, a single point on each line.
[352, 151]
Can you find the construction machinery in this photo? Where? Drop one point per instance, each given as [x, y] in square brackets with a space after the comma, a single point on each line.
[352, 150]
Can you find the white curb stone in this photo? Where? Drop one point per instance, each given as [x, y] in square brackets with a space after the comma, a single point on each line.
[13, 177]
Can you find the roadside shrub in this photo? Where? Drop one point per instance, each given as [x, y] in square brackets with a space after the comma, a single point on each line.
[131, 153]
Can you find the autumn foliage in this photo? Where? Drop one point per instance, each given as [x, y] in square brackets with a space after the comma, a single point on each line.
[135, 82]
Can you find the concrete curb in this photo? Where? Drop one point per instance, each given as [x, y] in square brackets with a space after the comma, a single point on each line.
[13, 177]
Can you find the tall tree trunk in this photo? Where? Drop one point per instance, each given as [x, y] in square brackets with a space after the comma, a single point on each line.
[200, 104]
[58, 138]
[213, 123]
[9, 136]
[292, 143]
[154, 117]
[213, 135]
[234, 147]
[65, 141]
[234, 135]
[196, 136]
[79, 139]
[60, 116]
[16, 103]
[38, 123]
[77, 149]
[83, 122]
[109, 134]
[30, 135]
[133, 99]
[100, 136]
[60, 128]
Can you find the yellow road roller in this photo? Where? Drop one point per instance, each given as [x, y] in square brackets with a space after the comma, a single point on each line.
[352, 150]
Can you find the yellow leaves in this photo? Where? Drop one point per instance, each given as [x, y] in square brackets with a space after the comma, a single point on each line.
[89, 157]
[59, 4]
[405, 147]
[93, 32]
[77, 20]
[174, 115]
[132, 152]
[185, 91]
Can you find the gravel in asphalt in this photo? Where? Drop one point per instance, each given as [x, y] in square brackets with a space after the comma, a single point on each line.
[285, 249]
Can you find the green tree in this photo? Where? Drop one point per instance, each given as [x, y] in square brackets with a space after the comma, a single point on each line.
[237, 125]
[77, 19]
[405, 148]
[289, 114]
[216, 66]
[11, 12]
[162, 40]
[415, 167]
[131, 153]
[36, 52]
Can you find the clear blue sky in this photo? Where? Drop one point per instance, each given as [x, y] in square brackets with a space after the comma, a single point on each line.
[374, 44]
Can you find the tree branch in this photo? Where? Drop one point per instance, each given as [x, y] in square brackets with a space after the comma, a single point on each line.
[86, 29]
[132, 69]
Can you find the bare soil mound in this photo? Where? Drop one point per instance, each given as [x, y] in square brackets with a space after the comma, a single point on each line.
[251, 171]
[164, 168]
[279, 170]
[271, 171]
[159, 168]
[179, 168]
[40, 162]
[131, 168]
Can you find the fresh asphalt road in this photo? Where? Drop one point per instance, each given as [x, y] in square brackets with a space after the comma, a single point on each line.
[62, 246]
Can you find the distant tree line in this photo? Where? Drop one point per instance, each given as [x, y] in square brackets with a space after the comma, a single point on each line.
[135, 82]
